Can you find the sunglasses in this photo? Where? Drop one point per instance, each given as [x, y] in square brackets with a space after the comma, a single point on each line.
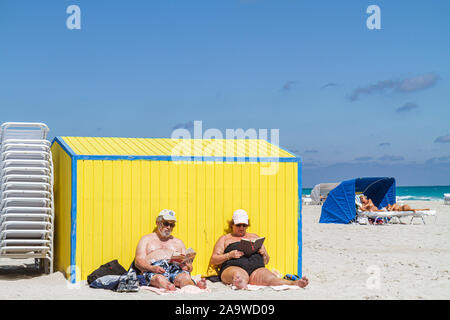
[241, 225]
[168, 224]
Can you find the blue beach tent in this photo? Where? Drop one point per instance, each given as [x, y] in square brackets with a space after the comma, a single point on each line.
[339, 207]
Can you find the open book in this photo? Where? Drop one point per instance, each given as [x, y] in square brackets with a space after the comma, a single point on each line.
[179, 258]
[250, 246]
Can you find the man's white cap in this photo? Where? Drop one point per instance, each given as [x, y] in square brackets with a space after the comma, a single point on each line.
[240, 216]
[168, 215]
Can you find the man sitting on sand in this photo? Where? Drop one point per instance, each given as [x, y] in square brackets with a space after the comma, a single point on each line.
[239, 270]
[154, 251]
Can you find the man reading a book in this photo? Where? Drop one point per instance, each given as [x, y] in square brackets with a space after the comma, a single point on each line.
[239, 269]
[155, 252]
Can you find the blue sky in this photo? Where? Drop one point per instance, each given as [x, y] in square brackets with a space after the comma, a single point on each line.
[349, 100]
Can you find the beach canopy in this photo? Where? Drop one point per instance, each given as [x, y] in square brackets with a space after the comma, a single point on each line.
[339, 207]
[321, 189]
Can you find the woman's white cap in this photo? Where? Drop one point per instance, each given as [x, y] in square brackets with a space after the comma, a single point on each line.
[240, 216]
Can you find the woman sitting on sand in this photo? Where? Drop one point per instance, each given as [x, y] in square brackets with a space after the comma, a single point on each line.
[239, 270]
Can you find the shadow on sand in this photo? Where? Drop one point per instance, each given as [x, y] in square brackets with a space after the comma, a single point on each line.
[11, 270]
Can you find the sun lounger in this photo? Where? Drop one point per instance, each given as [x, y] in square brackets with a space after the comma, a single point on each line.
[25, 155]
[17, 249]
[24, 242]
[25, 171]
[24, 234]
[24, 202]
[388, 215]
[26, 194]
[23, 130]
[27, 178]
[27, 141]
[25, 147]
[25, 217]
[27, 163]
[25, 225]
[424, 213]
[38, 186]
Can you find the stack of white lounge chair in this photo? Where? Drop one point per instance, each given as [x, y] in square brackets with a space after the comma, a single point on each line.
[26, 194]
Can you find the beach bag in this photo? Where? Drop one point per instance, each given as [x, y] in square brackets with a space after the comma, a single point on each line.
[108, 269]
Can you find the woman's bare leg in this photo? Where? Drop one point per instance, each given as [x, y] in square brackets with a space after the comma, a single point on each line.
[235, 276]
[264, 277]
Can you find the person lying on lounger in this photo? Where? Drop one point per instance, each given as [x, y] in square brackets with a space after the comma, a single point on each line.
[153, 254]
[239, 270]
[405, 207]
[367, 205]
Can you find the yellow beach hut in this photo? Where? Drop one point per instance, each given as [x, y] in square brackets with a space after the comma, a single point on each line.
[108, 192]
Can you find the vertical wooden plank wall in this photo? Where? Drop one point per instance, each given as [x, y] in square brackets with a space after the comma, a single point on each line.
[118, 201]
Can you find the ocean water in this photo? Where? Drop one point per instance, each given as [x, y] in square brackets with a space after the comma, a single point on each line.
[424, 193]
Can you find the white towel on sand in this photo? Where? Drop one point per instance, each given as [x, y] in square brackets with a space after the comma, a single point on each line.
[252, 287]
[186, 289]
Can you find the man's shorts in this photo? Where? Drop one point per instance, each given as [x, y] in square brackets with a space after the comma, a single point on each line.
[172, 271]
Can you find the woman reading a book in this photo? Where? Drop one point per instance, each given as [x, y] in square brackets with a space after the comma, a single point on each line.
[239, 268]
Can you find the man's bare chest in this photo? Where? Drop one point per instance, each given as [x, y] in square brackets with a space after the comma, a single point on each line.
[163, 245]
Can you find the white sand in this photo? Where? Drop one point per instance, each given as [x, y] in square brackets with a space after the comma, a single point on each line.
[412, 261]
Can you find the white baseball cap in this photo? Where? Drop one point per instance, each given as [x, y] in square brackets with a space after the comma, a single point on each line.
[168, 215]
[240, 216]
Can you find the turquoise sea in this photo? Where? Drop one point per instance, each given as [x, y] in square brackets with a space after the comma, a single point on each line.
[424, 193]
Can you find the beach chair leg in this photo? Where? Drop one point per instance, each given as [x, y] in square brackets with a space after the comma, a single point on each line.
[47, 266]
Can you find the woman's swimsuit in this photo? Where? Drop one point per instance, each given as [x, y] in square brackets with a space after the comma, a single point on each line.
[249, 264]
